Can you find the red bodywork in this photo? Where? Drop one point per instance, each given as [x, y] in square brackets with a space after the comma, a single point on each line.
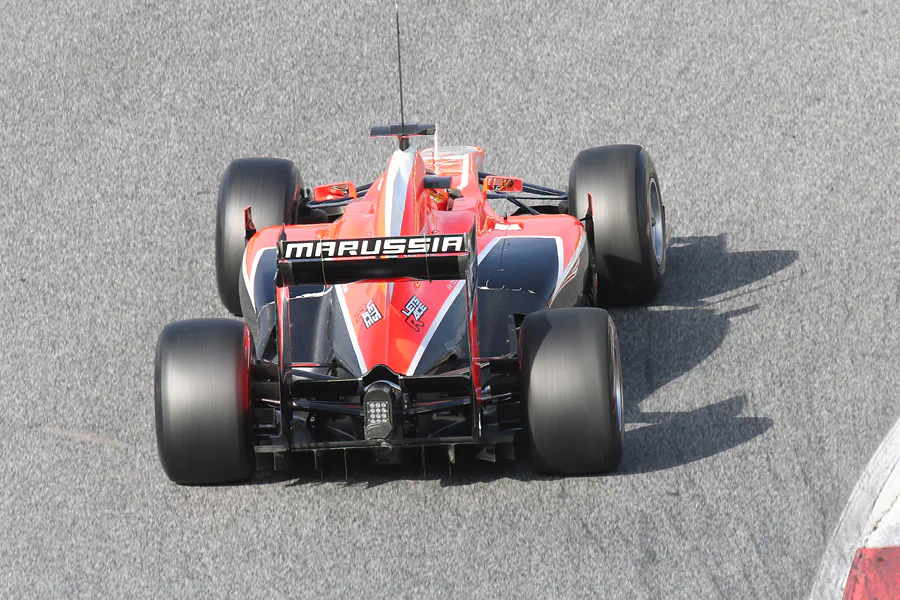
[399, 204]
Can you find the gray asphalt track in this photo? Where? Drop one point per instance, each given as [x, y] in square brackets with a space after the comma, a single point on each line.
[758, 385]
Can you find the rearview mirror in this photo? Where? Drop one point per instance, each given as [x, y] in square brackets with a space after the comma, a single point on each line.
[334, 191]
[496, 183]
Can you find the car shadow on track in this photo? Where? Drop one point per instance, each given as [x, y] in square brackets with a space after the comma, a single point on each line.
[701, 267]
[673, 439]
[658, 346]
[677, 335]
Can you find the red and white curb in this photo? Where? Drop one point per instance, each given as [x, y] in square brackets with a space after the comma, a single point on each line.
[862, 560]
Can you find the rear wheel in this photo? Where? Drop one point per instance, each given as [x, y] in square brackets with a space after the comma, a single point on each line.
[203, 420]
[270, 187]
[571, 390]
[629, 222]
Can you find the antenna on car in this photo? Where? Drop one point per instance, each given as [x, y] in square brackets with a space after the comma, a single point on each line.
[404, 141]
[404, 130]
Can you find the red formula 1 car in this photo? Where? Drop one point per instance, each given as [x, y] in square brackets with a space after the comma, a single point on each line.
[404, 314]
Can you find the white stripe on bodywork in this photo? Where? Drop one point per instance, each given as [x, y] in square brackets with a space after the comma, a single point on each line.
[464, 175]
[446, 307]
[250, 279]
[350, 330]
[560, 270]
[576, 254]
[562, 279]
[395, 193]
[434, 325]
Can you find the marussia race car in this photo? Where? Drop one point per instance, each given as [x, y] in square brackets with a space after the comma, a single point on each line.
[406, 313]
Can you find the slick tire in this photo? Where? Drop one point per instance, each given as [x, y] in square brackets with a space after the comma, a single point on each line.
[571, 390]
[270, 187]
[203, 419]
[628, 227]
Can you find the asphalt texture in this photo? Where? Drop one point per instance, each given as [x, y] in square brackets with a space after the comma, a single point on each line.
[757, 385]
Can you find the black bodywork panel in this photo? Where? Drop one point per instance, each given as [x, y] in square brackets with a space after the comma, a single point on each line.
[517, 276]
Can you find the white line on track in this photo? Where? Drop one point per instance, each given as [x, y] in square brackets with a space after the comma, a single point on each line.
[870, 500]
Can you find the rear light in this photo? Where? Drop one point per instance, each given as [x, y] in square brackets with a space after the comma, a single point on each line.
[379, 418]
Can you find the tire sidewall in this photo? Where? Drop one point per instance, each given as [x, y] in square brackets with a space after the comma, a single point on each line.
[646, 176]
[650, 177]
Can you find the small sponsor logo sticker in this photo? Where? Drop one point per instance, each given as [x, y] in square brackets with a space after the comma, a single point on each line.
[414, 310]
[370, 315]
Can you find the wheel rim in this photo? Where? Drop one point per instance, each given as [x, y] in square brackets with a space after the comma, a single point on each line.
[656, 222]
[618, 396]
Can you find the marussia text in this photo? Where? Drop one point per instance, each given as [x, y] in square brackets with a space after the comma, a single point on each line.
[389, 246]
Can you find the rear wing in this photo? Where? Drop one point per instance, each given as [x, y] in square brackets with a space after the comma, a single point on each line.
[337, 261]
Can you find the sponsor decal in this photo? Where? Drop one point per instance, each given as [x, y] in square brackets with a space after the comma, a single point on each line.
[388, 246]
[370, 315]
[414, 310]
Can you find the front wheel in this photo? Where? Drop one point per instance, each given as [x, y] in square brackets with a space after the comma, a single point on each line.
[571, 390]
[628, 230]
[270, 188]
